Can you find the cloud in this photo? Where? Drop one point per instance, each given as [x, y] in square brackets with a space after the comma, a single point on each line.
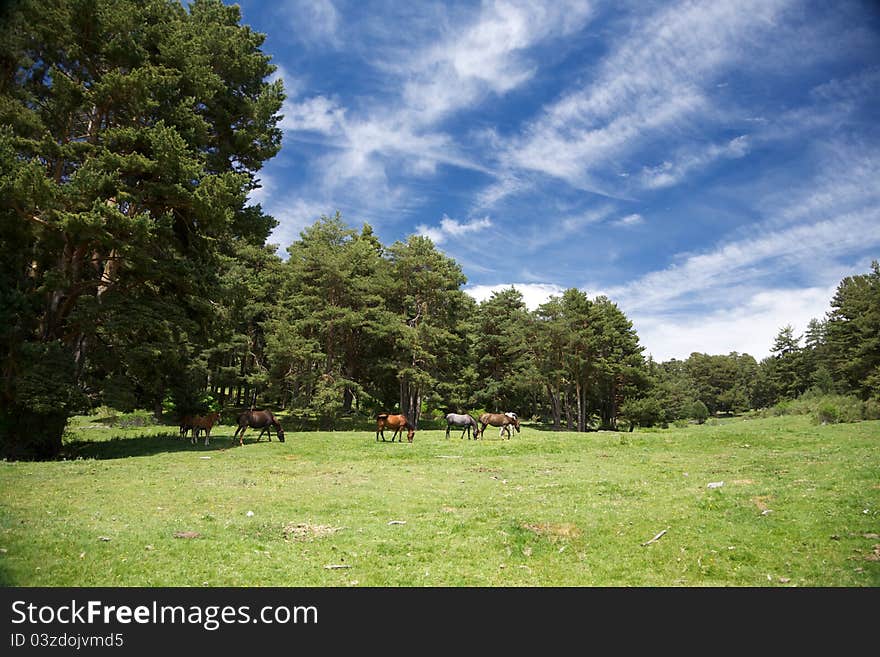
[293, 215]
[534, 294]
[824, 223]
[630, 220]
[748, 327]
[485, 56]
[473, 55]
[312, 22]
[652, 83]
[316, 114]
[452, 228]
[688, 160]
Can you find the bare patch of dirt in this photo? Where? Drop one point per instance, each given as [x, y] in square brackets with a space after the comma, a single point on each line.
[742, 481]
[875, 554]
[304, 531]
[186, 535]
[554, 531]
[761, 502]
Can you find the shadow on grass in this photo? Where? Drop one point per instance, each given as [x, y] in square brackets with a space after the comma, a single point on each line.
[147, 445]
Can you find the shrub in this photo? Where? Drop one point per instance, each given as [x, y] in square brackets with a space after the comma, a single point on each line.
[699, 412]
[829, 409]
[827, 413]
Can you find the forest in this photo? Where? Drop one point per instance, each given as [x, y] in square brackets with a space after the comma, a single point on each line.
[136, 274]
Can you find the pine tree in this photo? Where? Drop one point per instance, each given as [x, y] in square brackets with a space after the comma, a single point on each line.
[130, 135]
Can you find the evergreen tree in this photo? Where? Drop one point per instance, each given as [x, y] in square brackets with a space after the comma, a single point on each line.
[853, 333]
[130, 135]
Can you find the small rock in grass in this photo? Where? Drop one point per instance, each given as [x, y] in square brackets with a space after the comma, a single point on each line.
[715, 484]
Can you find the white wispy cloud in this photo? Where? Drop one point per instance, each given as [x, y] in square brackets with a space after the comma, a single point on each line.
[690, 159]
[452, 228]
[486, 56]
[316, 114]
[464, 64]
[653, 81]
[293, 215]
[312, 22]
[630, 220]
[827, 219]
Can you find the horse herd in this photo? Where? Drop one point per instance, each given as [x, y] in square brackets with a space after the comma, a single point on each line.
[465, 422]
[254, 419]
[266, 421]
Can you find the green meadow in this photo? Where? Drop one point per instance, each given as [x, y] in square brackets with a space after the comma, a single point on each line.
[799, 506]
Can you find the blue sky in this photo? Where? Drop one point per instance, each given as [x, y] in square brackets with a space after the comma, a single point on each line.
[712, 166]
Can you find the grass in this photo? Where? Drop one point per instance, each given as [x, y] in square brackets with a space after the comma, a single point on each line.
[799, 506]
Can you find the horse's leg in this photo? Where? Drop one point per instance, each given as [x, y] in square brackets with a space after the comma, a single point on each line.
[207, 435]
[448, 427]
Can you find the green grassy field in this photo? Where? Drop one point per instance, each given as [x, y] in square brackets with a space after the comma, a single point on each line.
[799, 506]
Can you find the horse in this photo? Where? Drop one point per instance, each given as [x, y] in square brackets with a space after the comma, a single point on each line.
[186, 423]
[203, 422]
[503, 420]
[396, 422]
[466, 421]
[258, 420]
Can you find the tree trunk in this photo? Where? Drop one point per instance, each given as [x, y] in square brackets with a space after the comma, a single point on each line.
[554, 408]
[569, 419]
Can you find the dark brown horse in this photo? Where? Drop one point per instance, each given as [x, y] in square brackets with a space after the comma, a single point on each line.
[258, 420]
[396, 422]
[503, 420]
[186, 424]
[202, 423]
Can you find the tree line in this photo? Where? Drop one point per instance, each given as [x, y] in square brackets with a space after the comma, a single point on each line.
[136, 273]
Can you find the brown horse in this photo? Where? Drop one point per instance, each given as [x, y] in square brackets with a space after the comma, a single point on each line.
[203, 423]
[396, 422]
[258, 420]
[503, 420]
[186, 424]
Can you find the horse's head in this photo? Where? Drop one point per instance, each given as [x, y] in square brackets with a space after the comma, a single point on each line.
[279, 431]
[410, 433]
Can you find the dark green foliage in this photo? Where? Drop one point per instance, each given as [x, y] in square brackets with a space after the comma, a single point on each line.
[130, 135]
[852, 333]
[699, 412]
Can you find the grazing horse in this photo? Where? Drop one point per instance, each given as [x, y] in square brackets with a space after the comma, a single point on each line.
[503, 420]
[396, 422]
[258, 420]
[203, 423]
[465, 421]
